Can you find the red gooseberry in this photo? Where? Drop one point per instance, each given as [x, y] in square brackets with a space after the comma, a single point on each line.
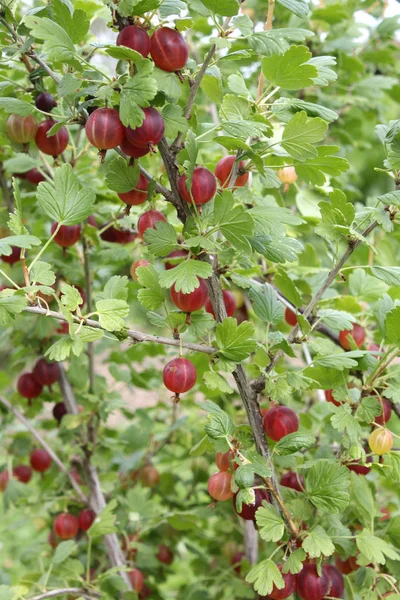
[150, 132]
[348, 565]
[193, 300]
[138, 263]
[289, 581]
[165, 554]
[21, 130]
[358, 468]
[46, 373]
[219, 486]
[59, 410]
[135, 38]
[175, 257]
[292, 480]
[104, 129]
[148, 220]
[149, 476]
[4, 478]
[336, 581]
[386, 412]
[357, 333]
[280, 421]
[28, 386]
[40, 460]
[203, 186]
[52, 539]
[117, 236]
[12, 258]
[223, 460]
[23, 473]
[229, 301]
[138, 195]
[248, 512]
[86, 518]
[45, 102]
[53, 145]
[137, 579]
[67, 235]
[223, 172]
[381, 441]
[66, 526]
[179, 375]
[133, 151]
[169, 49]
[309, 585]
[34, 176]
[236, 560]
[330, 398]
[290, 317]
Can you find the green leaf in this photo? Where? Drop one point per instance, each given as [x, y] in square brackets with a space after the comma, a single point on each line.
[300, 135]
[337, 216]
[392, 326]
[57, 45]
[264, 576]
[344, 360]
[60, 350]
[112, 314]
[270, 524]
[215, 381]
[225, 8]
[104, 522]
[68, 86]
[266, 304]
[16, 106]
[121, 176]
[186, 275]
[42, 273]
[294, 563]
[294, 442]
[288, 288]
[244, 128]
[374, 548]
[21, 241]
[327, 484]
[314, 169]
[276, 41]
[299, 7]
[10, 305]
[235, 341]
[76, 24]
[392, 460]
[290, 71]
[126, 8]
[63, 551]
[235, 224]
[152, 296]
[326, 75]
[19, 163]
[219, 426]
[344, 421]
[137, 93]
[212, 86]
[161, 240]
[391, 198]
[174, 120]
[318, 543]
[244, 477]
[390, 275]
[362, 500]
[365, 287]
[115, 288]
[70, 297]
[64, 200]
[336, 319]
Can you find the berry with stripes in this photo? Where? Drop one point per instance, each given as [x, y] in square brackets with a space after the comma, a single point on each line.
[229, 301]
[67, 235]
[138, 195]
[66, 526]
[336, 581]
[135, 38]
[148, 220]
[133, 151]
[169, 49]
[150, 132]
[280, 421]
[203, 188]
[104, 129]
[45, 102]
[193, 300]
[21, 130]
[223, 172]
[55, 144]
[46, 373]
[28, 386]
[179, 375]
[311, 586]
[219, 486]
[40, 460]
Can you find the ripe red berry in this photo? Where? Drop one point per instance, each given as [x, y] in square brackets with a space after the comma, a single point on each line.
[66, 526]
[133, 151]
[104, 129]
[223, 172]
[357, 333]
[117, 236]
[330, 398]
[67, 235]
[169, 49]
[149, 219]
[4, 478]
[223, 460]
[248, 512]
[179, 375]
[46, 373]
[229, 301]
[359, 468]
[135, 38]
[137, 195]
[193, 300]
[204, 186]
[138, 263]
[309, 585]
[23, 473]
[386, 412]
[45, 102]
[290, 585]
[165, 554]
[12, 258]
[280, 421]
[137, 579]
[21, 130]
[219, 486]
[150, 132]
[52, 539]
[59, 410]
[290, 317]
[336, 581]
[292, 480]
[149, 476]
[34, 176]
[348, 565]
[173, 256]
[40, 460]
[86, 518]
[236, 560]
[53, 145]
[28, 386]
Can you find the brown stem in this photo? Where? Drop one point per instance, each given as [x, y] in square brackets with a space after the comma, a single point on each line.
[250, 542]
[268, 27]
[88, 290]
[171, 168]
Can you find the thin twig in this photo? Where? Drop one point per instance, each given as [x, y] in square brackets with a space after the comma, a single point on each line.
[268, 27]
[64, 591]
[88, 291]
[45, 445]
[136, 336]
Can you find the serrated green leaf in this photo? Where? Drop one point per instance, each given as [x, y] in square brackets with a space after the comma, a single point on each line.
[104, 522]
[152, 296]
[21, 241]
[42, 273]
[121, 176]
[290, 71]
[63, 551]
[215, 381]
[301, 134]
[185, 276]
[174, 120]
[392, 326]
[264, 576]
[327, 485]
[235, 224]
[294, 563]
[277, 41]
[235, 341]
[112, 314]
[374, 548]
[161, 240]
[314, 169]
[57, 44]
[225, 8]
[294, 442]
[266, 304]
[270, 524]
[137, 93]
[300, 8]
[318, 543]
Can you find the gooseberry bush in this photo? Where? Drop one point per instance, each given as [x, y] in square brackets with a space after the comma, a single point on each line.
[200, 300]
